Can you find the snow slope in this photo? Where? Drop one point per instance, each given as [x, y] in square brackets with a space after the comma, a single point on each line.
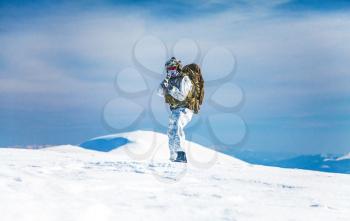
[136, 182]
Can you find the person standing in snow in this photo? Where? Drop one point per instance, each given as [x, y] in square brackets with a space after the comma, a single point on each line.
[183, 90]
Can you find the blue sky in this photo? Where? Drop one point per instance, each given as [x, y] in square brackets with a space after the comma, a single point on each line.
[59, 61]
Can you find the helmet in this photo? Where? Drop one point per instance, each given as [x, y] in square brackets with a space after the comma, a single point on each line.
[173, 64]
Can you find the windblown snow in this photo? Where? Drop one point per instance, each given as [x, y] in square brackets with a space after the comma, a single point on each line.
[135, 181]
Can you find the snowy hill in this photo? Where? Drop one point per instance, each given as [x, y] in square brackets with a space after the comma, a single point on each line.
[130, 178]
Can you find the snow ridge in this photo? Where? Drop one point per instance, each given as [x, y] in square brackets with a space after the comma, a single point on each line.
[136, 182]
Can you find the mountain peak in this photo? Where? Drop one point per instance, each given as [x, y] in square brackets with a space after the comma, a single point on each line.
[146, 145]
[345, 157]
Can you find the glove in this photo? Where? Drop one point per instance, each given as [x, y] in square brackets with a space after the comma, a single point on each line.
[165, 85]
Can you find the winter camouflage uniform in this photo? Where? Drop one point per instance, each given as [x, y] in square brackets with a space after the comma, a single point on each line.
[179, 89]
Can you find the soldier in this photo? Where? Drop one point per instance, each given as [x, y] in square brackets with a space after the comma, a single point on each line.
[183, 89]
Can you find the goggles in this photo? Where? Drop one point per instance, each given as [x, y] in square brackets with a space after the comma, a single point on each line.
[171, 68]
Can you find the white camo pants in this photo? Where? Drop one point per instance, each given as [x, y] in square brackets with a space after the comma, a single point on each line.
[178, 119]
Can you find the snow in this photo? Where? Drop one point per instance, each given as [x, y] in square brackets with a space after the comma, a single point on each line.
[135, 181]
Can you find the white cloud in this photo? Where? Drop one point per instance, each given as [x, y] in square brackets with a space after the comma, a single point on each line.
[274, 53]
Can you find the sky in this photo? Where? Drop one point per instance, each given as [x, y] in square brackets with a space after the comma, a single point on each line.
[277, 72]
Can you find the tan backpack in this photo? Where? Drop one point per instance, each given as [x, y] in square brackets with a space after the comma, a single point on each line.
[195, 99]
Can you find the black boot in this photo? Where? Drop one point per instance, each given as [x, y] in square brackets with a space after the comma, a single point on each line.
[181, 157]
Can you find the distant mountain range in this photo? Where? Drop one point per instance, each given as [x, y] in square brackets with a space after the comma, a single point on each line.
[316, 162]
[325, 163]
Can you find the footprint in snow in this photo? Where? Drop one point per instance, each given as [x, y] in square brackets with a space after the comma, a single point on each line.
[167, 171]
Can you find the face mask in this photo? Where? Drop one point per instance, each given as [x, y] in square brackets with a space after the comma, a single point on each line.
[173, 73]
